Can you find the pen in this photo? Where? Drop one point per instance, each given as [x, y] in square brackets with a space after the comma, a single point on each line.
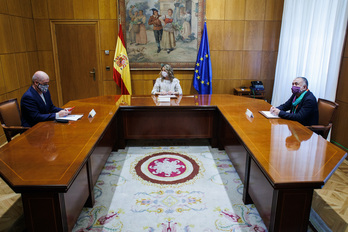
[71, 108]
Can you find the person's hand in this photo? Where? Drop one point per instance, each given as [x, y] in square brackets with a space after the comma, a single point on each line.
[69, 110]
[63, 113]
[163, 93]
[275, 111]
[272, 109]
[170, 92]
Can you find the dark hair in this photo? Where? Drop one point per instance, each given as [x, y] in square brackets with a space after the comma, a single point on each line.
[305, 80]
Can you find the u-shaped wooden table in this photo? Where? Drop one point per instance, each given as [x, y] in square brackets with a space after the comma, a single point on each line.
[55, 165]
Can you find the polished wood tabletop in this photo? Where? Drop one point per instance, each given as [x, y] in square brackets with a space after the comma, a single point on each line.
[50, 154]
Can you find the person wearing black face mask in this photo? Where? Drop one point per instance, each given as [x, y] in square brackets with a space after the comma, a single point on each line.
[36, 103]
[302, 104]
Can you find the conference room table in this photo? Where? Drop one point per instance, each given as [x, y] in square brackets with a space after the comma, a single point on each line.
[56, 165]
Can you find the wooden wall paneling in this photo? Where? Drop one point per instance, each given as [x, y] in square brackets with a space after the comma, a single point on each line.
[187, 86]
[235, 10]
[255, 9]
[186, 79]
[271, 36]
[107, 60]
[54, 92]
[18, 33]
[342, 93]
[6, 40]
[148, 86]
[33, 63]
[184, 74]
[3, 7]
[151, 74]
[26, 10]
[40, 9]
[110, 88]
[15, 94]
[215, 9]
[62, 9]
[216, 34]
[43, 34]
[246, 82]
[9, 69]
[235, 84]
[251, 65]
[268, 84]
[232, 65]
[253, 37]
[268, 65]
[217, 63]
[221, 86]
[86, 9]
[108, 34]
[340, 125]
[14, 7]
[107, 9]
[2, 81]
[274, 10]
[29, 34]
[23, 69]
[138, 75]
[138, 87]
[234, 35]
[46, 63]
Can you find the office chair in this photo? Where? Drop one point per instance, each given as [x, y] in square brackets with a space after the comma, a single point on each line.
[326, 111]
[10, 118]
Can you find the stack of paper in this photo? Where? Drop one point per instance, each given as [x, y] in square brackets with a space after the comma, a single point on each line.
[163, 98]
[71, 117]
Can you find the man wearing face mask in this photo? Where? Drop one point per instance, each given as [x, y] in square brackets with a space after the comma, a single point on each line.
[36, 103]
[302, 104]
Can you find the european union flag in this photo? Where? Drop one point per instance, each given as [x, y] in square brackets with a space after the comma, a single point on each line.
[203, 72]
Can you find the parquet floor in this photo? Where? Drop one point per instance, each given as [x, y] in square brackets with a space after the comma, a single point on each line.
[11, 210]
[331, 202]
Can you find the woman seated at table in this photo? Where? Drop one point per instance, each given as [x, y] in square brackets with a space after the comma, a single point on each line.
[167, 83]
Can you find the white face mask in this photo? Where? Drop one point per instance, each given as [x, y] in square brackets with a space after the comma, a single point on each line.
[164, 74]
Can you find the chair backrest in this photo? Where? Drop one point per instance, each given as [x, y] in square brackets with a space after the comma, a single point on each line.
[9, 113]
[326, 111]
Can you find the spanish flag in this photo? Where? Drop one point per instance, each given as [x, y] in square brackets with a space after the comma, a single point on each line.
[121, 65]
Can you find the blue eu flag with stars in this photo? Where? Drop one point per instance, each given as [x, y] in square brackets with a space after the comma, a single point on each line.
[203, 72]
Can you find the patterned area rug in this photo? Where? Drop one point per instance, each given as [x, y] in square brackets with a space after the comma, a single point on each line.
[168, 189]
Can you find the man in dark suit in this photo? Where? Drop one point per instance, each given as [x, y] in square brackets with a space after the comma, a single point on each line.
[302, 104]
[36, 103]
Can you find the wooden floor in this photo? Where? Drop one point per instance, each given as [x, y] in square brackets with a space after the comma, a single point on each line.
[331, 202]
[11, 210]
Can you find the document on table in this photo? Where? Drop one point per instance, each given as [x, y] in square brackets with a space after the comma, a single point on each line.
[268, 114]
[167, 96]
[71, 117]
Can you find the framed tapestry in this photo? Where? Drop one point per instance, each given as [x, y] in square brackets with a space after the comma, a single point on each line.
[162, 31]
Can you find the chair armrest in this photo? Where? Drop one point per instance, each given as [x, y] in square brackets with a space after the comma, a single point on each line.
[318, 127]
[14, 127]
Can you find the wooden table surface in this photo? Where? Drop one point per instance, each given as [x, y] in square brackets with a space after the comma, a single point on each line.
[50, 152]
[54, 162]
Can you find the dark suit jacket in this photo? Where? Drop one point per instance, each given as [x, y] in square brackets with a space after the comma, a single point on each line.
[35, 110]
[306, 113]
